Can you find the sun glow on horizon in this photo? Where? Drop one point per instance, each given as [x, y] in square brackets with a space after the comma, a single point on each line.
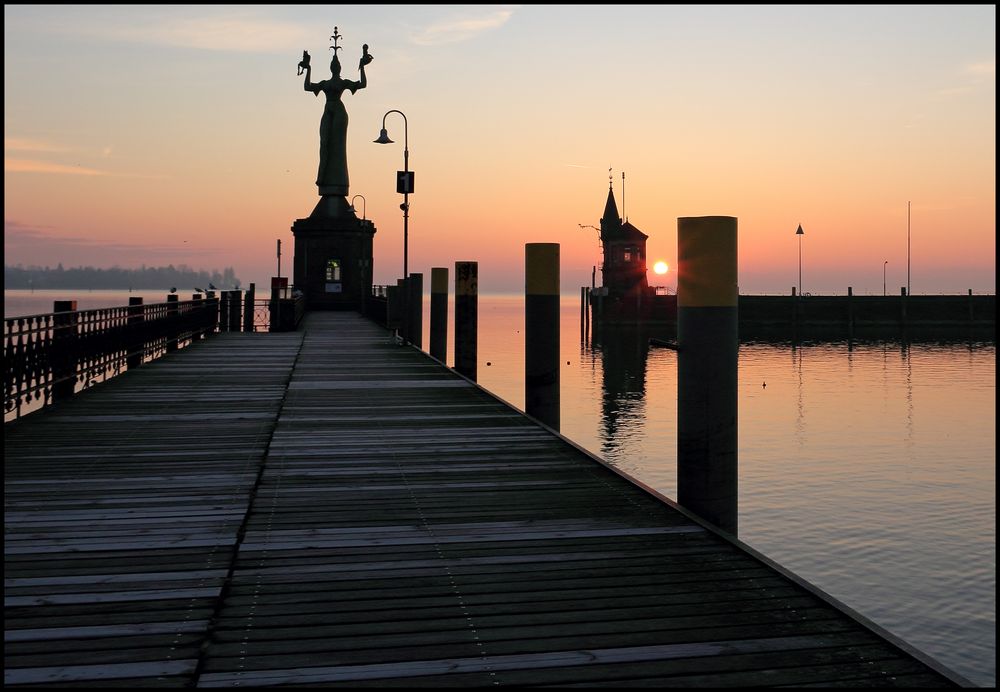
[660, 267]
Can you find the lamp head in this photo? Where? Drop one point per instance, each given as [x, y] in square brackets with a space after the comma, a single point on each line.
[800, 231]
[383, 138]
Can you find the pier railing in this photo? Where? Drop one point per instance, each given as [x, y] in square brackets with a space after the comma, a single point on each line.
[50, 357]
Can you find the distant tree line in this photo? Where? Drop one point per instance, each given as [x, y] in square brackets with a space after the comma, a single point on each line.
[182, 277]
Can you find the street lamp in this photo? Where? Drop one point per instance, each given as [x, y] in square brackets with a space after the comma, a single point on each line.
[800, 233]
[362, 208]
[883, 277]
[402, 185]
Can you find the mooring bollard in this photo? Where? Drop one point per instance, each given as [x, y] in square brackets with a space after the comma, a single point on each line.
[64, 326]
[136, 341]
[416, 307]
[248, 308]
[402, 288]
[707, 354]
[223, 311]
[235, 310]
[850, 312]
[466, 317]
[197, 306]
[902, 306]
[392, 309]
[173, 317]
[541, 332]
[439, 313]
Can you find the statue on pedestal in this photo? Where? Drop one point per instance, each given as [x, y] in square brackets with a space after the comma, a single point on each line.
[332, 179]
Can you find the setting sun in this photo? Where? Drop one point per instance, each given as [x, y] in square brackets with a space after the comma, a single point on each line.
[660, 267]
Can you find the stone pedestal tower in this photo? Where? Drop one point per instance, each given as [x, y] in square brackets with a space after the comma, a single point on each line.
[333, 260]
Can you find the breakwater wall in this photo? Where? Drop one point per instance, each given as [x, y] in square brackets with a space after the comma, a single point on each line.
[835, 316]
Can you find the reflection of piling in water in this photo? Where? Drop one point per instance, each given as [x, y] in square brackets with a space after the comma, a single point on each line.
[541, 332]
[708, 346]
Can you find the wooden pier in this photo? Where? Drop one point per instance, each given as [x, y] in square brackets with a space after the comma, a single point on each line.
[324, 507]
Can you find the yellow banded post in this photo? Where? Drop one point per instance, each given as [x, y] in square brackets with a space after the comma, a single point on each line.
[541, 332]
[466, 317]
[439, 313]
[707, 355]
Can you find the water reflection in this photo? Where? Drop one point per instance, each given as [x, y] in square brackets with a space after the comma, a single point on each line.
[623, 352]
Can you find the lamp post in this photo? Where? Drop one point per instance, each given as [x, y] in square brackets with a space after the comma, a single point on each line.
[800, 233]
[383, 138]
[363, 208]
[883, 277]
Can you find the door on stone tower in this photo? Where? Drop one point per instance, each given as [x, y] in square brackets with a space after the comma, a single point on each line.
[333, 280]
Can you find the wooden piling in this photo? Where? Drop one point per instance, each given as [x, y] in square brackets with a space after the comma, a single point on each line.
[416, 308]
[196, 300]
[223, 311]
[850, 313]
[173, 315]
[466, 318]
[708, 347]
[439, 313]
[248, 308]
[235, 310]
[902, 307]
[64, 326]
[392, 309]
[541, 332]
[136, 342]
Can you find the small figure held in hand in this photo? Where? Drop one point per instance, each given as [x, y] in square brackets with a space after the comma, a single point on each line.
[304, 63]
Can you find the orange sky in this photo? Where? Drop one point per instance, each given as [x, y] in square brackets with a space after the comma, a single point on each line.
[182, 135]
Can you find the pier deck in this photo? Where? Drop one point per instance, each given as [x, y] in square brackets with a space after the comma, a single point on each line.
[325, 507]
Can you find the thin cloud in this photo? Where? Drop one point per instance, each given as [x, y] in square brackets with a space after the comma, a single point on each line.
[239, 33]
[21, 237]
[28, 166]
[25, 144]
[22, 232]
[987, 68]
[461, 29]
[974, 76]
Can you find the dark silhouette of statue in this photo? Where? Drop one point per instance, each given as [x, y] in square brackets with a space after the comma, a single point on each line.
[332, 178]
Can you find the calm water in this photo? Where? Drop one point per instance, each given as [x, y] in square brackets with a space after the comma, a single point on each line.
[868, 471]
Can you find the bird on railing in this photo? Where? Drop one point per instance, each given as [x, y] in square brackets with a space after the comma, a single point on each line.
[200, 290]
[173, 289]
[211, 286]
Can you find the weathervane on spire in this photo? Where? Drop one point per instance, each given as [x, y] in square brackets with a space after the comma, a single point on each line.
[336, 37]
[610, 181]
